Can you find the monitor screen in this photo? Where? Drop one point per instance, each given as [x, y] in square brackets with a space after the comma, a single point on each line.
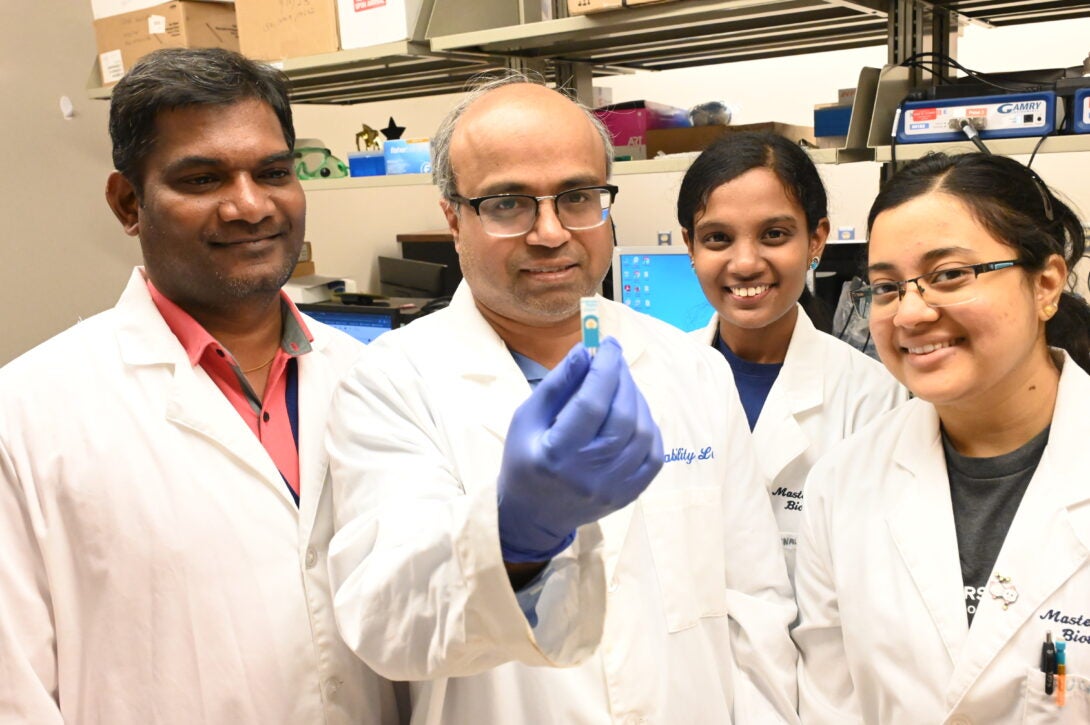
[660, 282]
[410, 277]
[362, 323]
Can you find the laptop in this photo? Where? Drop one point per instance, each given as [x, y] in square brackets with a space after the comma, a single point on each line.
[361, 322]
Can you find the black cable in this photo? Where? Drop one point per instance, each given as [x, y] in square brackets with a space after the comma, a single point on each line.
[1037, 146]
[970, 131]
[975, 75]
[929, 68]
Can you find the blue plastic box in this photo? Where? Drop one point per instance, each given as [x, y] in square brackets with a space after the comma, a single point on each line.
[832, 121]
[366, 163]
[1081, 111]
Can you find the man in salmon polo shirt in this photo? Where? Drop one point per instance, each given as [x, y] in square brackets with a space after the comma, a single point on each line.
[163, 521]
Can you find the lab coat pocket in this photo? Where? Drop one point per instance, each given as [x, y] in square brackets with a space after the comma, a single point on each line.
[1041, 708]
[685, 529]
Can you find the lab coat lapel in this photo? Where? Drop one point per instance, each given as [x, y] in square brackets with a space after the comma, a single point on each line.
[921, 523]
[195, 403]
[1047, 542]
[798, 388]
[193, 400]
[491, 384]
[314, 378]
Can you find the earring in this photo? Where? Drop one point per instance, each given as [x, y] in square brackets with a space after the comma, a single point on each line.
[692, 262]
[1049, 310]
[814, 263]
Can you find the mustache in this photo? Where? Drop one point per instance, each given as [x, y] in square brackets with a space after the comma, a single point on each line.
[240, 232]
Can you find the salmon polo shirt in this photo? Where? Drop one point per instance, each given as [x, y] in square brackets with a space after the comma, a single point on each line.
[273, 417]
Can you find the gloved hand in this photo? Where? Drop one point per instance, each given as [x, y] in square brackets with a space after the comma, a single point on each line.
[582, 446]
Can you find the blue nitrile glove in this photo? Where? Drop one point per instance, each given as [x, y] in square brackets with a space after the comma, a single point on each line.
[582, 446]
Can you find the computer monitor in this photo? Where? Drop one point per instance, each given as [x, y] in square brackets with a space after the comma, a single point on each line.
[659, 281]
[410, 277]
[362, 323]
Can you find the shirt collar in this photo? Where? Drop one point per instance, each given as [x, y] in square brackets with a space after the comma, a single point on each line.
[533, 370]
[294, 340]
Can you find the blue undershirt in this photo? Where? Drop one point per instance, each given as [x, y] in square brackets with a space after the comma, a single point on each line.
[530, 593]
[753, 380]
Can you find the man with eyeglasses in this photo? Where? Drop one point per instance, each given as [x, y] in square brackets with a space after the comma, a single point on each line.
[531, 534]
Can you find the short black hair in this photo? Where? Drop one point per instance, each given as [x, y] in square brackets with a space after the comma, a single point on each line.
[736, 153]
[172, 78]
[733, 154]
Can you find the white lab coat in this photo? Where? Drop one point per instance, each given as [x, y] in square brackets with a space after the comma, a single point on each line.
[153, 566]
[883, 634]
[825, 391]
[692, 624]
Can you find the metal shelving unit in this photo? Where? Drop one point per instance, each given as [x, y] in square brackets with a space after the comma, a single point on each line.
[676, 35]
[1016, 12]
[1000, 146]
[444, 55]
[405, 69]
[665, 164]
[655, 37]
[676, 162]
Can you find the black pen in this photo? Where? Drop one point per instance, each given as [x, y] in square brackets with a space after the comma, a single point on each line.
[1048, 663]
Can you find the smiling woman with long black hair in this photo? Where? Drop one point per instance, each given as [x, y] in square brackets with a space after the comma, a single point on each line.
[944, 546]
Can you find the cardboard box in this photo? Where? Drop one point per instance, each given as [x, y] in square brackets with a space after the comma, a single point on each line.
[407, 156]
[697, 138]
[629, 3]
[303, 269]
[108, 8]
[629, 122]
[372, 22]
[277, 29]
[585, 7]
[124, 39]
[305, 253]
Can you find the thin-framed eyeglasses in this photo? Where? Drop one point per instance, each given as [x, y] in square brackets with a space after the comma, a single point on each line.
[941, 288]
[512, 215]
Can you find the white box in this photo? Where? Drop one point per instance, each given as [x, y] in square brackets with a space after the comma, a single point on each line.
[316, 288]
[107, 8]
[371, 22]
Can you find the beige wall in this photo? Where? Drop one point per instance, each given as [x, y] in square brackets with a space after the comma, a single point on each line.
[64, 256]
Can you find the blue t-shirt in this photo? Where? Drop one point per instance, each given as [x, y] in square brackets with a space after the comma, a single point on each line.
[753, 380]
[533, 370]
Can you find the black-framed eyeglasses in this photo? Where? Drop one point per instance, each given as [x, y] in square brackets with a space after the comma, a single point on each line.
[512, 215]
[941, 288]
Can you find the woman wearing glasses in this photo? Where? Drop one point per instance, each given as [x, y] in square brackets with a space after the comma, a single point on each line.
[753, 213]
[945, 550]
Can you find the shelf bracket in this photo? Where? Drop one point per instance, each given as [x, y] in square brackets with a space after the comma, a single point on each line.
[576, 80]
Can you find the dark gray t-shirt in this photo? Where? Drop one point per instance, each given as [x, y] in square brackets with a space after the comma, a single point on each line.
[986, 493]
